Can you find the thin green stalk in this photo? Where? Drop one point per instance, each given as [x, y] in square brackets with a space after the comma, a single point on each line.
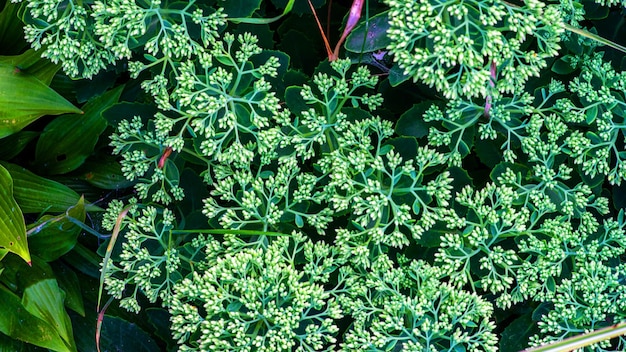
[583, 340]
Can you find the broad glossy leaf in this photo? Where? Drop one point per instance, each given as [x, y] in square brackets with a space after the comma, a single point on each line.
[619, 196]
[106, 173]
[12, 145]
[20, 324]
[411, 123]
[32, 63]
[239, 8]
[24, 99]
[13, 345]
[44, 300]
[84, 260]
[563, 66]
[53, 236]
[159, 319]
[294, 100]
[370, 35]
[303, 46]
[397, 76]
[11, 32]
[12, 226]
[36, 194]
[515, 335]
[489, 151]
[68, 282]
[68, 140]
[117, 335]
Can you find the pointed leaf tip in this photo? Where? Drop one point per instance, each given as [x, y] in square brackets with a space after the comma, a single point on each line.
[12, 225]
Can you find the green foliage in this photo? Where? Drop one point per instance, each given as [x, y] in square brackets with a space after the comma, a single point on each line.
[456, 46]
[252, 206]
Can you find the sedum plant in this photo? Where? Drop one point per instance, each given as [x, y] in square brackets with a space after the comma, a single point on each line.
[274, 206]
[460, 47]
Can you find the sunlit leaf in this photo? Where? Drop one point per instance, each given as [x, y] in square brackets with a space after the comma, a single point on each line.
[24, 99]
[36, 194]
[44, 300]
[12, 226]
[20, 324]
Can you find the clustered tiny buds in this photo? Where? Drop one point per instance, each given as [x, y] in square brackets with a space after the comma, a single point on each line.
[533, 235]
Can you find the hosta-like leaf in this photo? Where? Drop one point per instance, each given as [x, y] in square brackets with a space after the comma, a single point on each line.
[44, 300]
[24, 99]
[12, 226]
[20, 324]
[36, 194]
[32, 63]
[68, 140]
[53, 236]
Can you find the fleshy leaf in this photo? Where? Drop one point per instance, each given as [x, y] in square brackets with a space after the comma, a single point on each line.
[24, 99]
[12, 226]
[370, 36]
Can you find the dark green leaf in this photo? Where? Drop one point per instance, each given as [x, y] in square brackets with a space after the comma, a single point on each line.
[12, 226]
[405, 146]
[619, 196]
[36, 194]
[304, 48]
[53, 236]
[106, 173]
[68, 140]
[11, 33]
[68, 282]
[397, 76]
[591, 113]
[294, 100]
[126, 110]
[20, 324]
[562, 66]
[543, 309]
[239, 8]
[159, 319]
[489, 152]
[121, 335]
[84, 260]
[515, 336]
[12, 145]
[370, 35]
[411, 123]
[96, 86]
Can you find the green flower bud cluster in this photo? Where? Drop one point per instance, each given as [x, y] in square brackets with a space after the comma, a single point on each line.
[464, 48]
